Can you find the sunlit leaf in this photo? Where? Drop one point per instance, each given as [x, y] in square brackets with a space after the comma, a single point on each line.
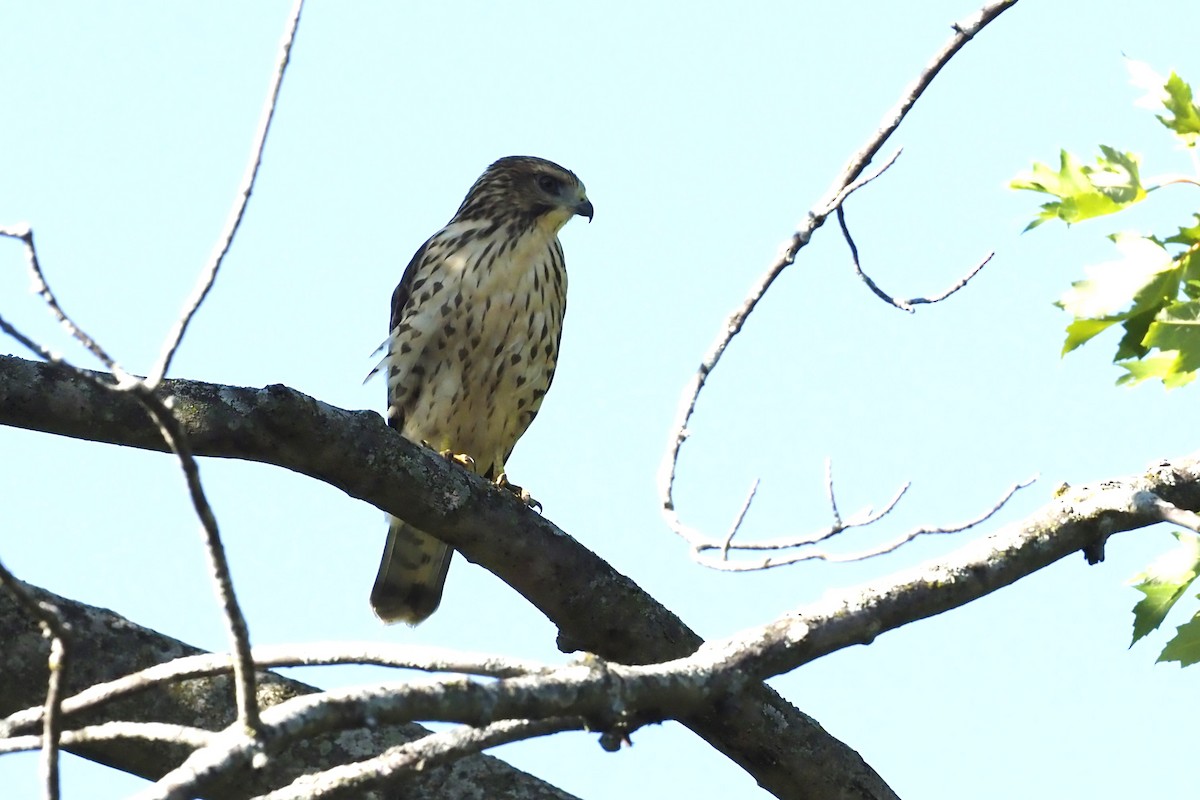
[1177, 328]
[1184, 117]
[1131, 344]
[1112, 287]
[1162, 367]
[1081, 330]
[1164, 582]
[1189, 235]
[1084, 191]
[1185, 647]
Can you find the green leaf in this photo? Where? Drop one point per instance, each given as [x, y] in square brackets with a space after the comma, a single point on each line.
[1161, 367]
[1115, 289]
[1164, 582]
[1084, 191]
[1184, 118]
[1081, 330]
[1187, 236]
[1177, 327]
[1117, 178]
[1131, 345]
[1185, 647]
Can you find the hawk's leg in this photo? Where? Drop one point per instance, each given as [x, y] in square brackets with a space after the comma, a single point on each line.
[522, 494]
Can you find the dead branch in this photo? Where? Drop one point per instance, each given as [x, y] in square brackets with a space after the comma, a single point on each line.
[841, 187]
[810, 552]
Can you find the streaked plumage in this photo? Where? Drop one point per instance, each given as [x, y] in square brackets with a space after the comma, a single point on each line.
[475, 328]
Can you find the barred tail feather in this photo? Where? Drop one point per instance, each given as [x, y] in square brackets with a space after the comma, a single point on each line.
[411, 575]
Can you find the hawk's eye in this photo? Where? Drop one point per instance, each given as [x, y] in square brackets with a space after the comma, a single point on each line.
[548, 184]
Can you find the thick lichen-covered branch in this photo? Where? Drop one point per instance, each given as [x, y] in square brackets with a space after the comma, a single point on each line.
[595, 608]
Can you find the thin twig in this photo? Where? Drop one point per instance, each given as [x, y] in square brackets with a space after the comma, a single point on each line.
[42, 289]
[836, 193]
[34, 347]
[863, 180]
[860, 519]
[903, 305]
[235, 621]
[55, 628]
[172, 432]
[118, 731]
[741, 515]
[864, 277]
[833, 508]
[209, 275]
[862, 555]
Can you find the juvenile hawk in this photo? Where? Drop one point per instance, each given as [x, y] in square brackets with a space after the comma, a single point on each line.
[475, 327]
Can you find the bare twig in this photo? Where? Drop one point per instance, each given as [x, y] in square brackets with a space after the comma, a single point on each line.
[737, 522]
[859, 519]
[55, 628]
[863, 518]
[42, 289]
[117, 731]
[863, 180]
[169, 427]
[235, 621]
[903, 305]
[429, 751]
[837, 192]
[209, 275]
[833, 507]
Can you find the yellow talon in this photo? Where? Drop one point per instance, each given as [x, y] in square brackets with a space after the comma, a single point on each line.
[462, 459]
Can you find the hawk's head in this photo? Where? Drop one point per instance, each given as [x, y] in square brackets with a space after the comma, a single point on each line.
[533, 190]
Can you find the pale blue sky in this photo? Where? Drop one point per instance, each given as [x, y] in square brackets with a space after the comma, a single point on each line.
[703, 136]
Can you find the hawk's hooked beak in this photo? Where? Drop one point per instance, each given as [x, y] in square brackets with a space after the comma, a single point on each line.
[584, 209]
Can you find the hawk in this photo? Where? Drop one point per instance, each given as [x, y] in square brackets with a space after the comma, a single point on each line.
[475, 328]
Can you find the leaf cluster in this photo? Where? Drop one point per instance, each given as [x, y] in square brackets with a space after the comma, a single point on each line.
[1152, 289]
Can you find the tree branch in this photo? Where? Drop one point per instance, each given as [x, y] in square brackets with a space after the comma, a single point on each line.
[842, 186]
[109, 646]
[618, 621]
[595, 608]
[55, 628]
[617, 698]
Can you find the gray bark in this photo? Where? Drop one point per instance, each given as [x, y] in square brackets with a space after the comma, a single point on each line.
[105, 646]
[596, 609]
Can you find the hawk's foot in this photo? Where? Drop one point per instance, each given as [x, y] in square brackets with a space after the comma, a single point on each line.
[522, 494]
[462, 459]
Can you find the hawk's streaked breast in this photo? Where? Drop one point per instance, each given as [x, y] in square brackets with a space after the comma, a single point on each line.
[477, 343]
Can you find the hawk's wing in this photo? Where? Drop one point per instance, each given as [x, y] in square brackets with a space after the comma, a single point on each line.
[399, 300]
[404, 287]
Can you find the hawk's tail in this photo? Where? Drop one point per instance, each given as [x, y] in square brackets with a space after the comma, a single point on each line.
[408, 587]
